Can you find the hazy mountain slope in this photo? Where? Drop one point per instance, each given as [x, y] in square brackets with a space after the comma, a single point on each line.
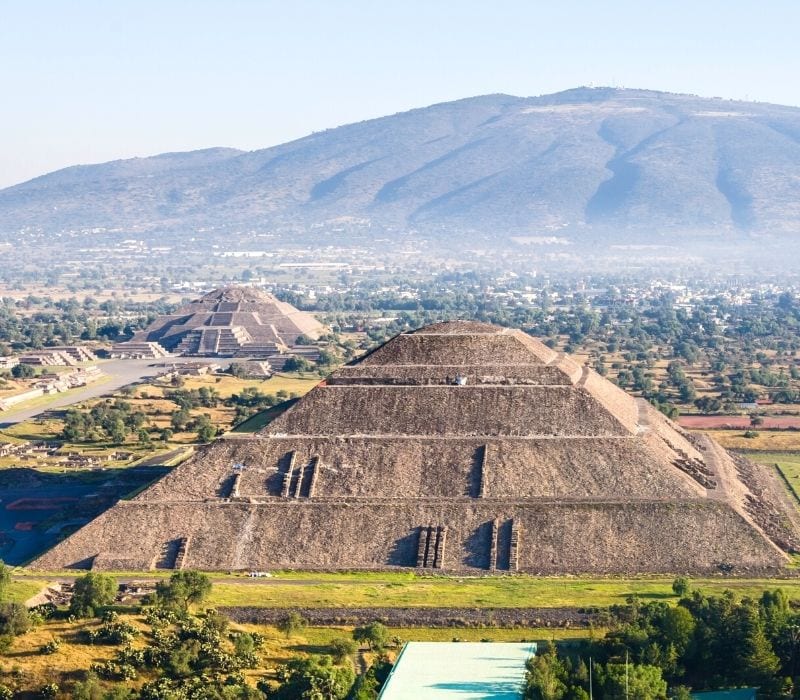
[594, 162]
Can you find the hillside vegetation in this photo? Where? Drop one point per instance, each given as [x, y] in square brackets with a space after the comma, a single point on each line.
[586, 163]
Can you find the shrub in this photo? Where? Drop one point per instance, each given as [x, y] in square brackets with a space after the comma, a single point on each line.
[51, 647]
[680, 586]
[112, 631]
[51, 690]
[14, 619]
[342, 649]
[291, 624]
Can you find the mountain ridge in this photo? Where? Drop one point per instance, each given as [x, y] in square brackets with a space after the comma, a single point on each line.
[596, 163]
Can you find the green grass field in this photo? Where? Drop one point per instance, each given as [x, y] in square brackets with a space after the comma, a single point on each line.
[788, 464]
[523, 591]
[19, 590]
[317, 639]
[292, 589]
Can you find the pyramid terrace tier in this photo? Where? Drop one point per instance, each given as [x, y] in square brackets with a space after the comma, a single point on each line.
[474, 536]
[645, 466]
[460, 410]
[564, 373]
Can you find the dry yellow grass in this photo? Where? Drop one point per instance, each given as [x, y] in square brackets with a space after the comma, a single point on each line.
[766, 440]
[72, 655]
[226, 385]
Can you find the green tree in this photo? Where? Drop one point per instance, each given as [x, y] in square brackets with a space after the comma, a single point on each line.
[206, 432]
[677, 628]
[22, 371]
[92, 591]
[368, 685]
[183, 658]
[374, 635]
[296, 364]
[639, 681]
[680, 586]
[179, 420]
[117, 431]
[546, 676]
[14, 619]
[5, 579]
[342, 649]
[754, 660]
[183, 589]
[314, 678]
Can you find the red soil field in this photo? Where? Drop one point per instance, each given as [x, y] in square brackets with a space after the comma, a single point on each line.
[39, 503]
[739, 422]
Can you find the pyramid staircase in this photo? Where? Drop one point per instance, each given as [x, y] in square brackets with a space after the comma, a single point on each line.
[219, 341]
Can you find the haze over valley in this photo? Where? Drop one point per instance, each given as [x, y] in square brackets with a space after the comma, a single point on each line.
[598, 166]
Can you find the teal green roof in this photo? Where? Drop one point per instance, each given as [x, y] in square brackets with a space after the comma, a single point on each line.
[459, 670]
[732, 694]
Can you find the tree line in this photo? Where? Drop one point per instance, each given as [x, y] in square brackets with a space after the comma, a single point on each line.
[661, 650]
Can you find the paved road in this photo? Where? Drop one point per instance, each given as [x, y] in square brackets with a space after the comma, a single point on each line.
[121, 373]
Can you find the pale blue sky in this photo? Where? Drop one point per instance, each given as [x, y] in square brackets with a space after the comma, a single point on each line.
[85, 81]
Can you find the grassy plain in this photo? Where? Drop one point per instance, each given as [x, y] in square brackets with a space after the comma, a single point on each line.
[386, 590]
[764, 441]
[787, 462]
[316, 640]
[20, 590]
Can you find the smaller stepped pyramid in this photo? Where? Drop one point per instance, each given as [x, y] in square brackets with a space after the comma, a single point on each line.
[459, 447]
[229, 322]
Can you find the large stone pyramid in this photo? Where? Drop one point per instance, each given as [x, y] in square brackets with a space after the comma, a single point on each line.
[460, 447]
[231, 321]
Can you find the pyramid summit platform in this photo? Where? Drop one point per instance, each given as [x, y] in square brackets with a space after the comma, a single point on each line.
[459, 447]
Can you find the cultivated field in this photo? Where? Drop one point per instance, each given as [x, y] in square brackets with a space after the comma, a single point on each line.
[739, 422]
